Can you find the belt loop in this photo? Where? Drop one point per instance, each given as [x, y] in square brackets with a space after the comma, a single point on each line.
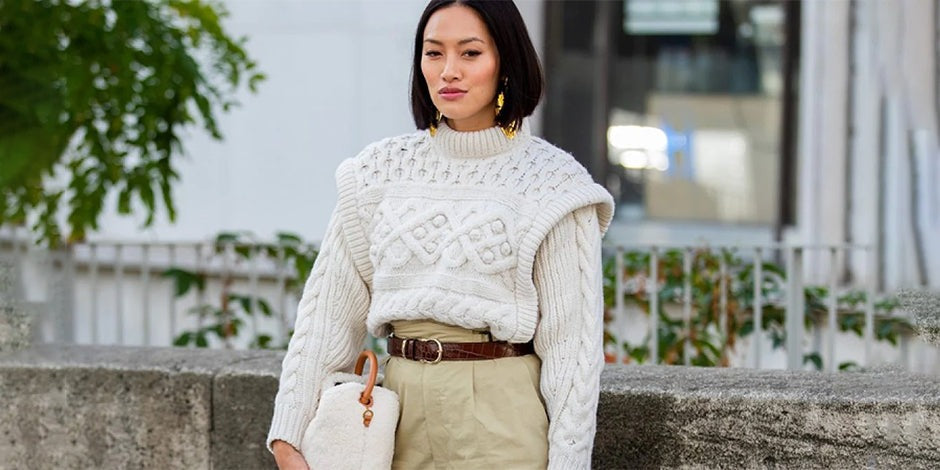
[487, 332]
[404, 349]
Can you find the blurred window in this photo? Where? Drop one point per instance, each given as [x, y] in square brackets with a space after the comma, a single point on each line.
[694, 97]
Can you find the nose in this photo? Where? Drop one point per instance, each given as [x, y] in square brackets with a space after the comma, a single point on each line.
[450, 71]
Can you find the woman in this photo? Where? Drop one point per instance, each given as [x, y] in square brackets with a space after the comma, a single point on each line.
[473, 233]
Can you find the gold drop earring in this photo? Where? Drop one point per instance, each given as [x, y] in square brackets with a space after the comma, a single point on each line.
[432, 128]
[510, 129]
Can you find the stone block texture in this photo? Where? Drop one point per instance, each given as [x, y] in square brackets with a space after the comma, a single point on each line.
[166, 408]
[119, 408]
[669, 417]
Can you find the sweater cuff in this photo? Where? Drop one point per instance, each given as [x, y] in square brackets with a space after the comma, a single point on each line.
[287, 426]
[574, 461]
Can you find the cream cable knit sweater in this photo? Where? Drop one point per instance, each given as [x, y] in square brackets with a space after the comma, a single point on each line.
[470, 229]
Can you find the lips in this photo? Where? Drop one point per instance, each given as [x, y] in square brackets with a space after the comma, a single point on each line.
[451, 93]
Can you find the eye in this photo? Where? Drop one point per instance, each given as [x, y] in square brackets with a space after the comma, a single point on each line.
[432, 53]
[472, 53]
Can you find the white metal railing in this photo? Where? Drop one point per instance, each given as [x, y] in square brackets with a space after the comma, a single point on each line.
[259, 276]
[830, 261]
[116, 293]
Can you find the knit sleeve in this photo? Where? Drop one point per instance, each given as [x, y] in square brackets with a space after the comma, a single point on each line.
[328, 333]
[568, 338]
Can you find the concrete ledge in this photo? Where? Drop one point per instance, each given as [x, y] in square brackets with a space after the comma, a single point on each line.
[666, 417]
[118, 407]
[924, 307]
[15, 326]
[15, 323]
[243, 403]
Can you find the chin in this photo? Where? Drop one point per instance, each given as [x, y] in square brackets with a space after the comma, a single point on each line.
[451, 112]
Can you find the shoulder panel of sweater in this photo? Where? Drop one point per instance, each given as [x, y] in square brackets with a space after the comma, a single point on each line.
[567, 186]
[350, 214]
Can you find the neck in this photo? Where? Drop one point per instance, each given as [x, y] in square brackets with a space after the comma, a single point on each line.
[471, 124]
[482, 143]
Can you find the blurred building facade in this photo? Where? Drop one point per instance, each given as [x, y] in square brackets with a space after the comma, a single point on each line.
[752, 121]
[710, 121]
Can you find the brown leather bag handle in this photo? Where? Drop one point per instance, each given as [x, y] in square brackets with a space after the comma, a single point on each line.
[366, 397]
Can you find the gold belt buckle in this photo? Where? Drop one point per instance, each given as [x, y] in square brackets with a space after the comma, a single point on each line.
[440, 351]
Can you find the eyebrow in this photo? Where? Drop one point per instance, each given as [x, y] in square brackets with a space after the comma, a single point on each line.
[459, 43]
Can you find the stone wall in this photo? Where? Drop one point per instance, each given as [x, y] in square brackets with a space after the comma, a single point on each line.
[15, 323]
[118, 407]
[666, 417]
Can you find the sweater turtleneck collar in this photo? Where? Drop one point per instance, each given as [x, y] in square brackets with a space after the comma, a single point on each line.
[476, 144]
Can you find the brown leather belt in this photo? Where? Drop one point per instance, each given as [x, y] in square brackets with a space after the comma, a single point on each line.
[433, 351]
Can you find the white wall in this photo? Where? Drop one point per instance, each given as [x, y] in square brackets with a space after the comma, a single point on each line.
[892, 97]
[821, 159]
[905, 54]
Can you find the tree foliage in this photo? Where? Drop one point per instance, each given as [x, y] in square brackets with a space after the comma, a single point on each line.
[93, 98]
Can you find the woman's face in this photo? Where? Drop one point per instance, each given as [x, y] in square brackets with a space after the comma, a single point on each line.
[460, 64]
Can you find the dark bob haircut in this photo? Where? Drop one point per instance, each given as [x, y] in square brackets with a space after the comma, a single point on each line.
[518, 62]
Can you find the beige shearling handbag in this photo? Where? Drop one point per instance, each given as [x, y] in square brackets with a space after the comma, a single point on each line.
[354, 426]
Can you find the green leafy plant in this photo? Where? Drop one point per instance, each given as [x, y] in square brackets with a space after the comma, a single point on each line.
[226, 318]
[708, 346]
[93, 97]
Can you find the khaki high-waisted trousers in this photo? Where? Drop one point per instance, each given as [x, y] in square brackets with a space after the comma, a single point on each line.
[466, 414]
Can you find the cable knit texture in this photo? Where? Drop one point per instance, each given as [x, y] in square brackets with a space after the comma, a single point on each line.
[470, 229]
[569, 337]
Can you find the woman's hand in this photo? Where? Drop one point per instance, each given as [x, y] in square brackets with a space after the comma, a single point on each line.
[287, 457]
